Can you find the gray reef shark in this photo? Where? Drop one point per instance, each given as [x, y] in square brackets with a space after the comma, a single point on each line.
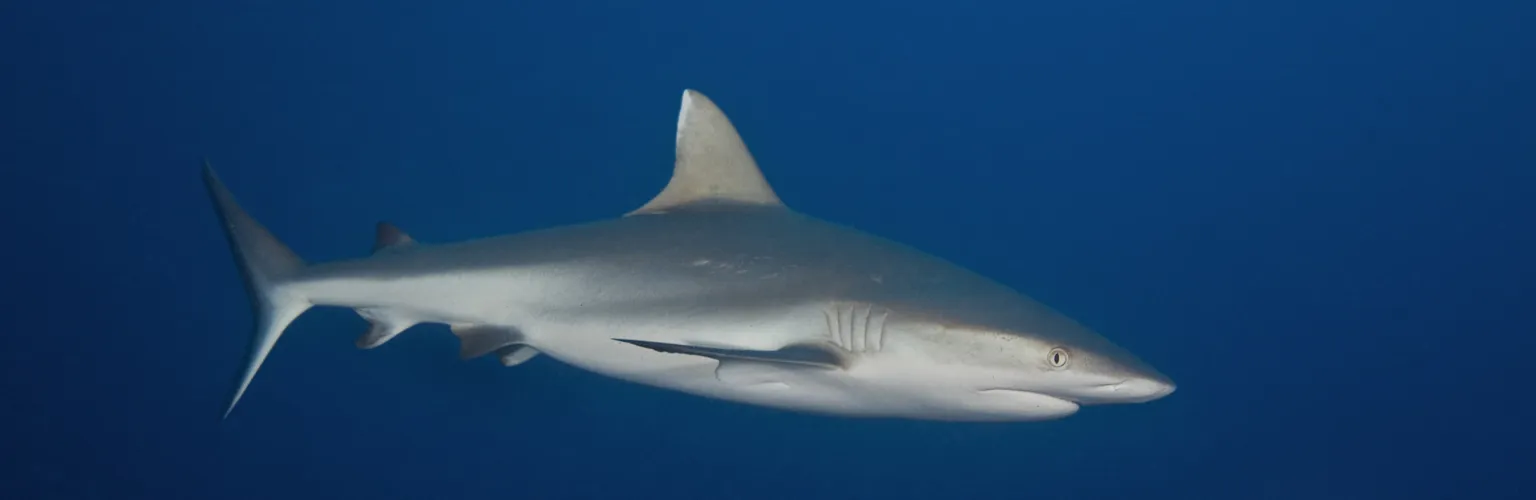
[713, 288]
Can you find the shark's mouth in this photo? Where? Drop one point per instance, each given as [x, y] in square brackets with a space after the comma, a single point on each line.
[1026, 405]
[1113, 391]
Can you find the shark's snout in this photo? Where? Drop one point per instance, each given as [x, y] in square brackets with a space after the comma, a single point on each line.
[1138, 382]
[1139, 389]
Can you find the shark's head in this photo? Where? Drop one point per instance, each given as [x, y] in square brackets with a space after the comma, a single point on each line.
[1030, 370]
[1093, 371]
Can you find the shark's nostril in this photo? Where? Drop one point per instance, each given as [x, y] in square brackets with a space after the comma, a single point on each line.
[1112, 387]
[1135, 389]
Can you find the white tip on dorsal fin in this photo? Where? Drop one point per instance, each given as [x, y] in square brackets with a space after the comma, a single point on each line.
[713, 164]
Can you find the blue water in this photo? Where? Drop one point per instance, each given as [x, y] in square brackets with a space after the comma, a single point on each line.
[1315, 216]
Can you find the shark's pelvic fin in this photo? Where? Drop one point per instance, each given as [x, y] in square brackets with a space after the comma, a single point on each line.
[390, 237]
[479, 340]
[712, 165]
[799, 355]
[266, 264]
[516, 354]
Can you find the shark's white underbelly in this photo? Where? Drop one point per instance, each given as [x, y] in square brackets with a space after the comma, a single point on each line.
[565, 317]
[804, 390]
[589, 344]
[883, 385]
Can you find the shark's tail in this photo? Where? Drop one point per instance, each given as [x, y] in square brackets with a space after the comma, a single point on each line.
[266, 264]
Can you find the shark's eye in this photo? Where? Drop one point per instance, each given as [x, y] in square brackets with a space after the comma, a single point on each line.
[1057, 357]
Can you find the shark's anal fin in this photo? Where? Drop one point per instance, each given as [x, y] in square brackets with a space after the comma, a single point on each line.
[388, 237]
[479, 340]
[712, 166]
[383, 327]
[798, 355]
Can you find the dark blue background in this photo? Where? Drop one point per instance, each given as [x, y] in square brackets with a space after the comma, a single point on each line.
[1315, 216]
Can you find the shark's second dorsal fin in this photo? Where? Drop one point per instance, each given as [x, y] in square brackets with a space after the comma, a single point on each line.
[389, 237]
[713, 164]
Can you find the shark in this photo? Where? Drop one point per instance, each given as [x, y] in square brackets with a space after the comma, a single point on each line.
[714, 288]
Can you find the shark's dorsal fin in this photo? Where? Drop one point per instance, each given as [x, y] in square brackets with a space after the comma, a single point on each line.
[713, 164]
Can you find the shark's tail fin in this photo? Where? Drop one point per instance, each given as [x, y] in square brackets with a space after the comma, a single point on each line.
[266, 264]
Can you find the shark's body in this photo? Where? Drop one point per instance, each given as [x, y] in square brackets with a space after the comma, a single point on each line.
[715, 288]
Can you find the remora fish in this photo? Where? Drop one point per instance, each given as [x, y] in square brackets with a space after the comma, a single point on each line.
[717, 289]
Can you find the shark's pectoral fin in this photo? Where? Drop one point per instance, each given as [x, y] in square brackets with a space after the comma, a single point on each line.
[758, 368]
[479, 340]
[798, 355]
